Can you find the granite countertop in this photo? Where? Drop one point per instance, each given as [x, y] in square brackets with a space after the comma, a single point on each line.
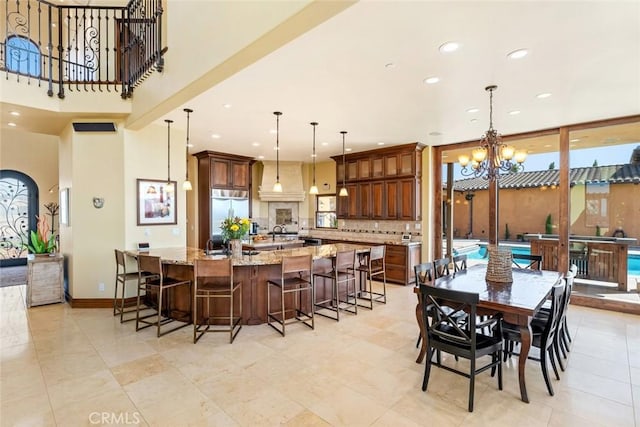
[257, 244]
[366, 239]
[186, 256]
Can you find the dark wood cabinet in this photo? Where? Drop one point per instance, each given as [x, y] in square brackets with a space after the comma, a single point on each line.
[364, 200]
[378, 200]
[387, 183]
[391, 199]
[240, 172]
[219, 171]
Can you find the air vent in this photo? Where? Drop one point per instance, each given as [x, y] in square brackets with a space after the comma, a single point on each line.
[94, 127]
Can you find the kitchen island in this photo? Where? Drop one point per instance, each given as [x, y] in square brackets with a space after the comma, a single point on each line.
[252, 270]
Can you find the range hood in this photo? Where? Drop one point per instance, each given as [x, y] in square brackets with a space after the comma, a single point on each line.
[290, 178]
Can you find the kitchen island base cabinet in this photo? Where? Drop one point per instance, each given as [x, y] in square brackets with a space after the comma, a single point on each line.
[254, 292]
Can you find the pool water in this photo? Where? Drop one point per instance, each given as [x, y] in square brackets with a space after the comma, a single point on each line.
[480, 253]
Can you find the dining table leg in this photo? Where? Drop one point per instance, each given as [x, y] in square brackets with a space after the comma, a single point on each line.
[525, 337]
[420, 319]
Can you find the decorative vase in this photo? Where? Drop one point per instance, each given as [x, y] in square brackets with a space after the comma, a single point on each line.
[236, 248]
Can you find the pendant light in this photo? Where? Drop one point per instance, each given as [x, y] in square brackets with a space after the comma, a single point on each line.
[277, 187]
[343, 190]
[314, 188]
[186, 186]
[168, 122]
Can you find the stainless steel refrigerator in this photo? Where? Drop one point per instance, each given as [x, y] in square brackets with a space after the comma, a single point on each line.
[227, 203]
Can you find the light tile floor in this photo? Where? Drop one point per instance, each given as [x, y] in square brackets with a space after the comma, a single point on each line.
[74, 367]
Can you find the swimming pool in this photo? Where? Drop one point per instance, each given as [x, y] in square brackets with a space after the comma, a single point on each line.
[479, 253]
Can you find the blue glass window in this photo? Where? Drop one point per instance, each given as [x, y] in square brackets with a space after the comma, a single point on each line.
[22, 56]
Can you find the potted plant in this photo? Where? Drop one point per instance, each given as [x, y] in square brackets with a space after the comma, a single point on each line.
[234, 229]
[41, 241]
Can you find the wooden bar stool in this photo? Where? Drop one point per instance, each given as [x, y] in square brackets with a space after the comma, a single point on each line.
[152, 279]
[342, 273]
[374, 267]
[296, 278]
[214, 281]
[122, 277]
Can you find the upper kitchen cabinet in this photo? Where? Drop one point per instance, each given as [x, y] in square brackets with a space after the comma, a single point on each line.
[225, 171]
[387, 183]
[219, 171]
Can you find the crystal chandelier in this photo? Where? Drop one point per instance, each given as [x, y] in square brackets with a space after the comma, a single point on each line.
[492, 157]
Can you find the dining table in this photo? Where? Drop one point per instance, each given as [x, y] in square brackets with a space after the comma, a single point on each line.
[517, 301]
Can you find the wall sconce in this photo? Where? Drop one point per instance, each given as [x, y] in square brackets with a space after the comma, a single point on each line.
[98, 202]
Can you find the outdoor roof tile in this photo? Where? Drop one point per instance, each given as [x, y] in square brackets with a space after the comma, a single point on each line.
[612, 174]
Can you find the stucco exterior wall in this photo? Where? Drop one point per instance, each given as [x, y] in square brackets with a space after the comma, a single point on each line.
[525, 211]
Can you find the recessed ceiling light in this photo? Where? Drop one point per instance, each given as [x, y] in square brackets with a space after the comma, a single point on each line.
[449, 47]
[514, 112]
[547, 145]
[473, 110]
[314, 155]
[53, 24]
[574, 140]
[517, 54]
[215, 136]
[14, 113]
[226, 105]
[272, 131]
[431, 80]
[380, 143]
[276, 148]
[473, 120]
[255, 144]
[543, 95]
[348, 149]
[190, 145]
[390, 65]
[325, 144]
[261, 157]
[11, 124]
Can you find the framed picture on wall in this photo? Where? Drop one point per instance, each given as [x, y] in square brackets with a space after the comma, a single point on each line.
[156, 201]
[64, 207]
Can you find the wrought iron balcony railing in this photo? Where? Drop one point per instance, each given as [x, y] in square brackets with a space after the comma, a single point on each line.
[82, 48]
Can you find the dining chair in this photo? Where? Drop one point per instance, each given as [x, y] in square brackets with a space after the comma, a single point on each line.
[527, 261]
[459, 263]
[424, 275]
[543, 335]
[441, 267]
[214, 281]
[562, 333]
[445, 334]
[296, 279]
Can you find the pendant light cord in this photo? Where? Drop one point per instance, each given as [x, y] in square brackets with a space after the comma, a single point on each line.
[344, 162]
[314, 124]
[188, 111]
[278, 114]
[168, 122]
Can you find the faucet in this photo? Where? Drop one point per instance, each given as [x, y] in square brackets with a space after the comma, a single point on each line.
[208, 248]
[273, 234]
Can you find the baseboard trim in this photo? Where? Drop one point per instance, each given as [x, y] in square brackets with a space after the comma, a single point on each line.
[98, 302]
[602, 304]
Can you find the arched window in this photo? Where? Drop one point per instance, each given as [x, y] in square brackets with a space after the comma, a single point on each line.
[18, 209]
[22, 56]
